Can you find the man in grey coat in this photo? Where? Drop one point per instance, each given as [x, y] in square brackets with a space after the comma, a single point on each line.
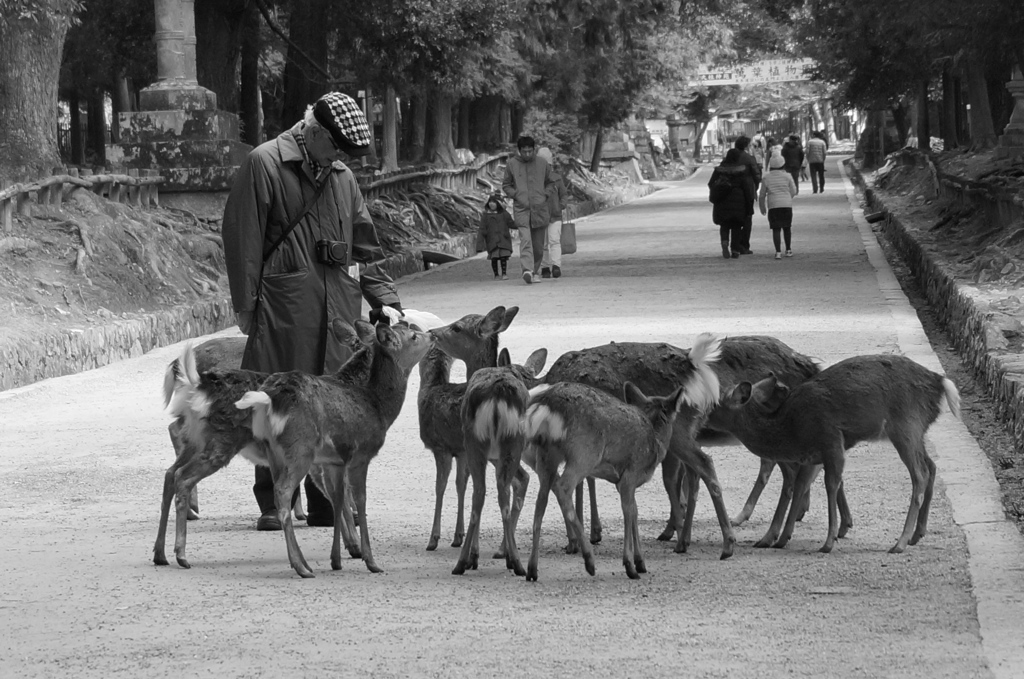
[287, 286]
[526, 181]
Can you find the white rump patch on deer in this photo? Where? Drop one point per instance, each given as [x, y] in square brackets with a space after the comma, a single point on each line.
[496, 420]
[265, 422]
[538, 390]
[543, 422]
[255, 453]
[199, 404]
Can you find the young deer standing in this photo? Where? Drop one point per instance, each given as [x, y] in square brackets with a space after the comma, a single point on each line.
[210, 431]
[862, 398]
[472, 339]
[595, 434]
[659, 369]
[334, 427]
[492, 426]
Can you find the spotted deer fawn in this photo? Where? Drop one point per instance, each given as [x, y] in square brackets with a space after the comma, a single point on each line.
[472, 339]
[595, 434]
[863, 398]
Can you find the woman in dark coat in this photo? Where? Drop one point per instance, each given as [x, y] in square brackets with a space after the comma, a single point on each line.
[736, 202]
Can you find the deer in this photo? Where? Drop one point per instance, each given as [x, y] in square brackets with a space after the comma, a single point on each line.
[492, 415]
[472, 339]
[333, 427]
[863, 398]
[594, 434]
[209, 431]
[656, 368]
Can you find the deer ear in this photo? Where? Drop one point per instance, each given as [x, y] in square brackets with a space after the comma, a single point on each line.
[632, 395]
[504, 359]
[738, 395]
[510, 313]
[343, 332]
[770, 393]
[386, 337]
[535, 363]
[492, 322]
[365, 331]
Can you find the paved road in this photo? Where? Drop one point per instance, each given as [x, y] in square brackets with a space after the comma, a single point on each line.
[82, 459]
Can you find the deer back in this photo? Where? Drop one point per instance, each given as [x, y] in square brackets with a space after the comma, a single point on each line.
[496, 398]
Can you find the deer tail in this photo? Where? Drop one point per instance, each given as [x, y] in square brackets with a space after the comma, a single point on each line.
[952, 396]
[266, 423]
[701, 388]
[180, 381]
[497, 419]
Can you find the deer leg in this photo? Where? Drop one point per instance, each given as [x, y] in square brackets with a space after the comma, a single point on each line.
[689, 489]
[503, 473]
[287, 476]
[638, 558]
[461, 479]
[595, 520]
[469, 557]
[834, 458]
[297, 510]
[922, 517]
[159, 555]
[700, 462]
[912, 453]
[670, 468]
[333, 476]
[544, 476]
[563, 488]
[763, 474]
[348, 528]
[174, 429]
[799, 496]
[196, 467]
[785, 500]
[520, 483]
[357, 477]
[570, 545]
[845, 517]
[629, 552]
[443, 463]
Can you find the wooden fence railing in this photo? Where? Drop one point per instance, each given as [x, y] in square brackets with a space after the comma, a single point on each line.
[138, 187]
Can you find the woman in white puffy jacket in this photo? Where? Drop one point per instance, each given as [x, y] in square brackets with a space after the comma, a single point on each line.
[776, 200]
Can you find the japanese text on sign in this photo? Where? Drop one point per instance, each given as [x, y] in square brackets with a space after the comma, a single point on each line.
[769, 71]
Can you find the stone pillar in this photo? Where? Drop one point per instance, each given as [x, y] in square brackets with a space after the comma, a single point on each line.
[179, 130]
[1011, 143]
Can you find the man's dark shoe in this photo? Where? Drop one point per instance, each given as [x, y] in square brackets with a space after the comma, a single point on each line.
[556, 271]
[746, 251]
[545, 273]
[319, 519]
[269, 521]
[735, 255]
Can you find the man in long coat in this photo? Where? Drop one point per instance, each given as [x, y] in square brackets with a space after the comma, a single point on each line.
[285, 297]
[526, 180]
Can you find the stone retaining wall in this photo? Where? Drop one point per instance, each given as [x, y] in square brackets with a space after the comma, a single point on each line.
[70, 351]
[967, 319]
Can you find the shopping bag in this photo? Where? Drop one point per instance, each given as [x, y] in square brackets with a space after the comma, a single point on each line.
[568, 238]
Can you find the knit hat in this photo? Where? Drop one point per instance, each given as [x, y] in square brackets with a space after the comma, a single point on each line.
[776, 162]
[340, 115]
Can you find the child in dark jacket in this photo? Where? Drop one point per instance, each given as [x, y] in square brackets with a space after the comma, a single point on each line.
[496, 226]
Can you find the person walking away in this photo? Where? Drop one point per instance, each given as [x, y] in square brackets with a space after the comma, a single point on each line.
[732, 194]
[526, 180]
[295, 231]
[776, 200]
[774, 148]
[742, 143]
[551, 264]
[496, 226]
[816, 149]
[793, 154]
[759, 148]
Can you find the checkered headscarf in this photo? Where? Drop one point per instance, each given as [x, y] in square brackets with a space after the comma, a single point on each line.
[341, 116]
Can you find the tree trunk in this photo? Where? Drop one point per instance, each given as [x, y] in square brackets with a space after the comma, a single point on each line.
[75, 128]
[817, 119]
[419, 126]
[506, 130]
[218, 45]
[900, 117]
[120, 102]
[389, 142]
[829, 121]
[950, 138]
[442, 149]
[97, 125]
[595, 160]
[485, 123]
[307, 28]
[983, 133]
[30, 56]
[701, 129]
[924, 130]
[463, 142]
[249, 106]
